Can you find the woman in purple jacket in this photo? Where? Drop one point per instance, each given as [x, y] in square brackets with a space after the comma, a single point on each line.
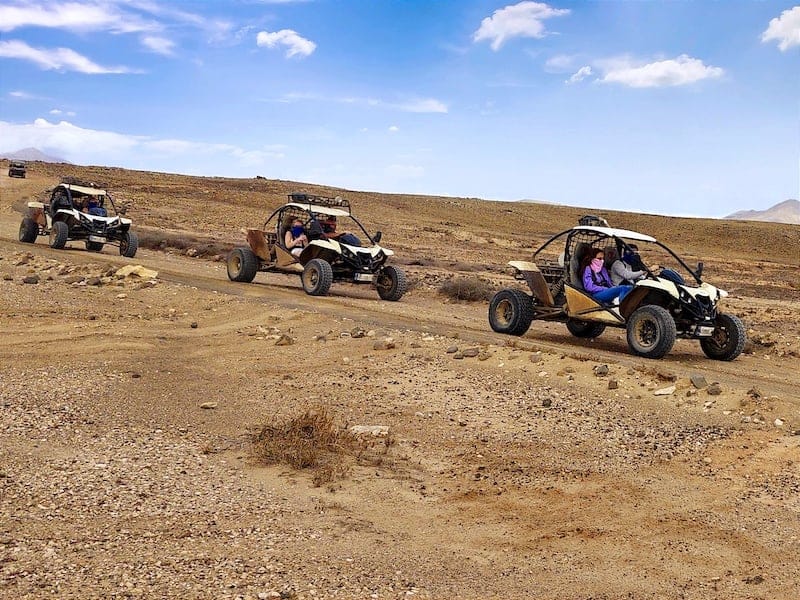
[596, 280]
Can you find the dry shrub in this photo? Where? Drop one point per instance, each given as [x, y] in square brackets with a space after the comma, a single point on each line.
[466, 289]
[308, 440]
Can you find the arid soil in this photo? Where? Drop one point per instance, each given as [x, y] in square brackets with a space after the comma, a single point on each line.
[535, 467]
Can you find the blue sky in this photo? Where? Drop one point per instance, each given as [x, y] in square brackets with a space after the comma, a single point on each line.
[686, 108]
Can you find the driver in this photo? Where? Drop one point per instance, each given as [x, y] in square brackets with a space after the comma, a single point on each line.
[329, 228]
[621, 271]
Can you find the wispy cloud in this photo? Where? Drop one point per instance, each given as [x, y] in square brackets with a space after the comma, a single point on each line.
[23, 95]
[97, 146]
[74, 16]
[159, 45]
[683, 70]
[62, 59]
[415, 105]
[524, 19]
[580, 75]
[295, 44]
[784, 29]
[393, 129]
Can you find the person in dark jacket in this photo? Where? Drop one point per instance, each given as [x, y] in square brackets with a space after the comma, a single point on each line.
[597, 281]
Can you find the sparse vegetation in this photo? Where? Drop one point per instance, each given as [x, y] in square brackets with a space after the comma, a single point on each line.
[154, 239]
[466, 289]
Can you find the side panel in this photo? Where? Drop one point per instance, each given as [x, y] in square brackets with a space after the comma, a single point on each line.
[259, 244]
[582, 306]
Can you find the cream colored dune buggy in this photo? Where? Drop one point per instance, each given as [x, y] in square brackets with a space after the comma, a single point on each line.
[328, 256]
[665, 305]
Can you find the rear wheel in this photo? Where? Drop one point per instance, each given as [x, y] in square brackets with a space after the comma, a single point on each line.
[651, 331]
[28, 230]
[511, 312]
[59, 234]
[94, 246]
[129, 244]
[391, 283]
[317, 277]
[728, 340]
[242, 265]
[584, 329]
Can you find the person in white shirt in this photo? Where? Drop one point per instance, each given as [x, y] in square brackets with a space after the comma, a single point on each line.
[620, 271]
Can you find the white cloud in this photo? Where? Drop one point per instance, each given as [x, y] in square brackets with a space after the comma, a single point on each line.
[682, 70]
[560, 63]
[405, 171]
[55, 111]
[294, 43]
[91, 146]
[516, 20]
[62, 59]
[393, 129]
[580, 75]
[784, 29]
[159, 45]
[418, 105]
[23, 95]
[74, 16]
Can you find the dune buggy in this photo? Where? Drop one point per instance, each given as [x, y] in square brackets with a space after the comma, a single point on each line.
[17, 168]
[79, 212]
[660, 307]
[326, 258]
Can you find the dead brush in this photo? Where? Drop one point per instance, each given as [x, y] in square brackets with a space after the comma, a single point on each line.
[466, 289]
[308, 440]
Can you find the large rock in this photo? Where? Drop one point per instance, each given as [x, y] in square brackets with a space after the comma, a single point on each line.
[135, 271]
[373, 430]
[667, 391]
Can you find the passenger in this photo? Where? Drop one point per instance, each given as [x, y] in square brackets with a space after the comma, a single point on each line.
[620, 271]
[596, 280]
[329, 228]
[295, 238]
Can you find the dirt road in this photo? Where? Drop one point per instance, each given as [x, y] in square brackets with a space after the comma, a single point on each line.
[525, 471]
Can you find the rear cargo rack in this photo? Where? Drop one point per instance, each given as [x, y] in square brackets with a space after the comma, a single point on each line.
[337, 202]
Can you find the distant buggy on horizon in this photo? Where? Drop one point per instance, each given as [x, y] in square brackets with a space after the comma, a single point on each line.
[325, 259]
[79, 212]
[17, 168]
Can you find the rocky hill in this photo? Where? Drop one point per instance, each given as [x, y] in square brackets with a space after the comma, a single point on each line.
[787, 211]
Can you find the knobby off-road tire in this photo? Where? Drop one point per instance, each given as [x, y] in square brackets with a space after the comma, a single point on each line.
[584, 329]
[391, 283]
[317, 277]
[651, 331]
[28, 230]
[58, 235]
[94, 246]
[242, 265]
[511, 312]
[129, 244]
[728, 340]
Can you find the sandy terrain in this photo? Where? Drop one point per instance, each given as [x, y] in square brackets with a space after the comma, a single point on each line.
[523, 472]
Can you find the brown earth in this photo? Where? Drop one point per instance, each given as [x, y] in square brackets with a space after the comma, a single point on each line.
[516, 473]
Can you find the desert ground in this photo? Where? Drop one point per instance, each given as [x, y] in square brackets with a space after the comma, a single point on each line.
[544, 466]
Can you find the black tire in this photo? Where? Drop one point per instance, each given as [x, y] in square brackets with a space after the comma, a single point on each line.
[585, 329]
[651, 331]
[317, 277]
[94, 246]
[242, 265]
[129, 244]
[391, 283]
[728, 340]
[58, 235]
[28, 230]
[511, 312]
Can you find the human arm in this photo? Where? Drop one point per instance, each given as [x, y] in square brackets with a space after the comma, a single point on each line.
[624, 272]
[588, 282]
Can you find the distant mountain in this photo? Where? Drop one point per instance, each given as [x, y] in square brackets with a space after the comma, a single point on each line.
[32, 154]
[787, 211]
[532, 201]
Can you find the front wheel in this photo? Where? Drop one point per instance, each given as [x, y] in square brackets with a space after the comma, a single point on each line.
[317, 277]
[28, 230]
[391, 283]
[728, 339]
[584, 329]
[651, 331]
[129, 244]
[242, 265]
[59, 234]
[511, 312]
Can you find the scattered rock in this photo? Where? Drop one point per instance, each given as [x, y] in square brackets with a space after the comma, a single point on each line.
[778, 422]
[93, 281]
[484, 356]
[193, 325]
[7, 277]
[31, 279]
[547, 402]
[471, 352]
[458, 356]
[285, 340]
[357, 333]
[666, 376]
[122, 296]
[754, 394]
[698, 381]
[601, 370]
[667, 391]
[135, 375]
[209, 405]
[74, 279]
[714, 389]
[535, 358]
[452, 349]
[386, 344]
[191, 252]
[374, 430]
[137, 271]
[613, 384]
